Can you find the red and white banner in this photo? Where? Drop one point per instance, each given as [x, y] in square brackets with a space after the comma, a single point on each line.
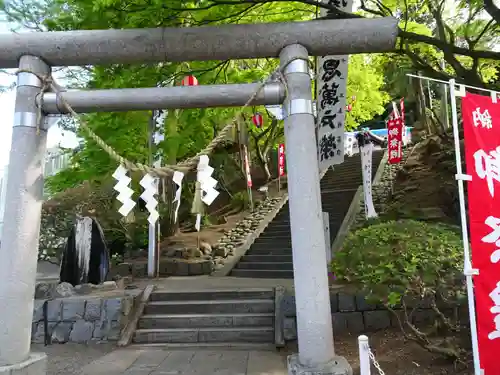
[395, 140]
[281, 160]
[247, 169]
[481, 118]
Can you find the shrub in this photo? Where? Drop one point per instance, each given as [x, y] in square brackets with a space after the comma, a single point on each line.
[403, 265]
[58, 215]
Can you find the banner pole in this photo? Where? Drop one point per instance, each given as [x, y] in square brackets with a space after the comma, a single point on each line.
[468, 271]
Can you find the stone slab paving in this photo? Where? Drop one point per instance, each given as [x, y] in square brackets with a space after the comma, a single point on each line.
[157, 361]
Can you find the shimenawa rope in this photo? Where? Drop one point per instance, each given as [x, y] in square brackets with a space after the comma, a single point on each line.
[167, 170]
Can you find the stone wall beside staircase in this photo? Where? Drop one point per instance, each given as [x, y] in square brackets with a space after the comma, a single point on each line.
[81, 319]
[352, 314]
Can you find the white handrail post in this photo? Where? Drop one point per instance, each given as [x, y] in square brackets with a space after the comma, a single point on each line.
[364, 357]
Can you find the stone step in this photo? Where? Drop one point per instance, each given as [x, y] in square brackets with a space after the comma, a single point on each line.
[211, 294]
[262, 274]
[205, 335]
[274, 233]
[283, 222]
[263, 250]
[266, 258]
[161, 321]
[288, 266]
[206, 345]
[210, 306]
[281, 234]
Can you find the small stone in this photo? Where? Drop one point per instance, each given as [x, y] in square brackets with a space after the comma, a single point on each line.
[205, 248]
[43, 290]
[221, 251]
[61, 332]
[64, 290]
[108, 285]
[84, 289]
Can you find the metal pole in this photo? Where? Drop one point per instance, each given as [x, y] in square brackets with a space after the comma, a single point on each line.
[23, 203]
[468, 271]
[314, 319]
[151, 228]
[364, 358]
[221, 42]
[444, 105]
[139, 99]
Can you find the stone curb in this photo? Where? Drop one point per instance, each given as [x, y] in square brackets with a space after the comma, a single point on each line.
[279, 317]
[128, 331]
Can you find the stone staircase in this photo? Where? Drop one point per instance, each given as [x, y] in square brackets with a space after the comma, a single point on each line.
[234, 318]
[270, 256]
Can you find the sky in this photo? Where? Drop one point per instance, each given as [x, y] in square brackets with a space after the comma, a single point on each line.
[55, 135]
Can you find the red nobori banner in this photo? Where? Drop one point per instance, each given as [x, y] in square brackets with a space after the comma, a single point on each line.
[395, 140]
[481, 118]
[281, 160]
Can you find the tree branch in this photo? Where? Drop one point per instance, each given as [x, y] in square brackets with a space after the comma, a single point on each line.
[492, 10]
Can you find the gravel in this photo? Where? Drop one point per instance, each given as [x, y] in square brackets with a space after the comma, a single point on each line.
[70, 358]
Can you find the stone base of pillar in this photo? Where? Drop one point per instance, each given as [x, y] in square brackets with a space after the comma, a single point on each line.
[337, 366]
[36, 364]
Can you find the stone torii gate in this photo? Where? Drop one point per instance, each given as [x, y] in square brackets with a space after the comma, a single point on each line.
[35, 53]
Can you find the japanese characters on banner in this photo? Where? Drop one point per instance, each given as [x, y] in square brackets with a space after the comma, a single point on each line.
[366, 165]
[281, 160]
[331, 83]
[481, 119]
[395, 140]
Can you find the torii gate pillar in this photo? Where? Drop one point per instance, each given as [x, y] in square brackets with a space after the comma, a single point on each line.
[23, 210]
[312, 298]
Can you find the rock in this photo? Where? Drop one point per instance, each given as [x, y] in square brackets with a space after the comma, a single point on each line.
[61, 332]
[43, 291]
[192, 253]
[221, 251]
[123, 282]
[205, 248]
[108, 285]
[64, 290]
[84, 289]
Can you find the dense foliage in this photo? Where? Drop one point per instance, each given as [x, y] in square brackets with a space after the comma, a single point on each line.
[405, 265]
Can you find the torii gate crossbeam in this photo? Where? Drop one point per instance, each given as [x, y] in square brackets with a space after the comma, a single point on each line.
[101, 47]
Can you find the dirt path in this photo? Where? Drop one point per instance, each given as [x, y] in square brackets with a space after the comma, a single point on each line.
[396, 357]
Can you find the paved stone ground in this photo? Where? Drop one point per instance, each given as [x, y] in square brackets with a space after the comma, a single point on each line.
[70, 358]
[157, 361]
[47, 271]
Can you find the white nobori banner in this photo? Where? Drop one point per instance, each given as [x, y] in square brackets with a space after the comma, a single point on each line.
[331, 91]
[366, 165]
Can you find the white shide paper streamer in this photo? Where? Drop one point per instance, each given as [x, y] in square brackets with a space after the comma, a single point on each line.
[207, 185]
[125, 192]
[177, 178]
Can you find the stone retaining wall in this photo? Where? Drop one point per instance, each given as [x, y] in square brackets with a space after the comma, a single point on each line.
[81, 319]
[352, 314]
